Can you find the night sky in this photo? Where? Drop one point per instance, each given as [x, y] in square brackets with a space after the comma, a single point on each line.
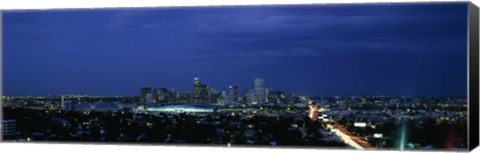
[313, 50]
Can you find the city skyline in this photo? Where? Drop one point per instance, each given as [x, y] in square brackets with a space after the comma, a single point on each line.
[312, 50]
[228, 90]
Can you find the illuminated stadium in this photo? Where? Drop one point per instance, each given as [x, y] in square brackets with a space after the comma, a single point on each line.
[179, 109]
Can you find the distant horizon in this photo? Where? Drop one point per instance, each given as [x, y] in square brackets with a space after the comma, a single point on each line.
[327, 96]
[241, 93]
[348, 49]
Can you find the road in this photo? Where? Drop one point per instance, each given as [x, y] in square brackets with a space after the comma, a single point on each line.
[349, 138]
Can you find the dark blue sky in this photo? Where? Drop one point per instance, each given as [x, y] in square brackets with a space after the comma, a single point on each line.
[387, 49]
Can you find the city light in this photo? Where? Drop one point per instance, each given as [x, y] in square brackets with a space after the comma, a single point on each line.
[342, 121]
[179, 109]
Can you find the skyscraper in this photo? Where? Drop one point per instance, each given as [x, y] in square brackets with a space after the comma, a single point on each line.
[149, 98]
[200, 91]
[224, 98]
[250, 96]
[162, 95]
[63, 102]
[233, 93]
[259, 90]
[196, 81]
[268, 95]
[144, 93]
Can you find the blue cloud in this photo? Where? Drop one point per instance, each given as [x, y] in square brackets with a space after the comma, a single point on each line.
[391, 49]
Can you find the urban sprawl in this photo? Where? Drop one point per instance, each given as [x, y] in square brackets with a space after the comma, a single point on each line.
[260, 116]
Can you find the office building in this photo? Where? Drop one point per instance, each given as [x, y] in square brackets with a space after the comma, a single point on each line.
[62, 102]
[162, 95]
[144, 93]
[9, 129]
[200, 91]
[259, 90]
[149, 98]
[250, 96]
[233, 93]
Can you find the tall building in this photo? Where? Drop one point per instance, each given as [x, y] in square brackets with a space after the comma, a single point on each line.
[149, 98]
[9, 129]
[233, 93]
[63, 102]
[200, 91]
[259, 90]
[280, 97]
[144, 93]
[156, 95]
[224, 98]
[250, 96]
[269, 96]
[162, 95]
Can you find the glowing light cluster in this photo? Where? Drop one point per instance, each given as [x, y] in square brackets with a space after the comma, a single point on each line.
[180, 109]
[345, 138]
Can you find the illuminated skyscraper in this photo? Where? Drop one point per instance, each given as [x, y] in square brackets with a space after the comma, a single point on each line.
[200, 91]
[269, 96]
[259, 95]
[196, 81]
[212, 96]
[63, 102]
[250, 96]
[224, 98]
[149, 98]
[144, 93]
[233, 93]
[162, 95]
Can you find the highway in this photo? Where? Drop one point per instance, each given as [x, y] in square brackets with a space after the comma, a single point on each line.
[349, 138]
